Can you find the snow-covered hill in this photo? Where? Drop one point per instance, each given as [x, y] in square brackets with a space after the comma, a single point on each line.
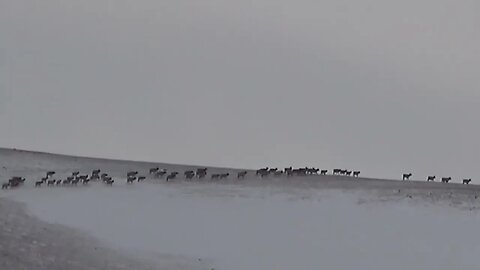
[317, 222]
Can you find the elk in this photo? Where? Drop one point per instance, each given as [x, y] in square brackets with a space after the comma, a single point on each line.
[466, 181]
[189, 174]
[300, 171]
[242, 174]
[131, 179]
[446, 179]
[109, 182]
[132, 173]
[16, 181]
[160, 173]
[201, 172]
[406, 176]
[263, 172]
[154, 170]
[172, 176]
[431, 178]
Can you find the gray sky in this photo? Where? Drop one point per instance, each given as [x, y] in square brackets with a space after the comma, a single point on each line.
[379, 86]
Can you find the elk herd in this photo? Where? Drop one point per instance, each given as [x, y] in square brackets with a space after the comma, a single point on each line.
[264, 172]
[431, 178]
[200, 173]
[74, 179]
[14, 182]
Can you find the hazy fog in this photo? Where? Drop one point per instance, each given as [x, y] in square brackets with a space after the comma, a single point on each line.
[379, 86]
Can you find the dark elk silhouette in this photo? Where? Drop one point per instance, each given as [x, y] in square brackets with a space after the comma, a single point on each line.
[272, 170]
[95, 175]
[131, 179]
[242, 174]
[342, 172]
[467, 181]
[109, 182]
[161, 173]
[201, 173]
[189, 174]
[220, 175]
[431, 178]
[263, 172]
[154, 170]
[406, 176]
[446, 179]
[132, 173]
[323, 172]
[68, 180]
[172, 176]
[15, 182]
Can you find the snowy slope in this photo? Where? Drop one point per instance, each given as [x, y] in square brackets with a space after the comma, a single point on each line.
[296, 223]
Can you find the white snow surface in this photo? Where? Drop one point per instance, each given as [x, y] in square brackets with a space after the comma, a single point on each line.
[295, 223]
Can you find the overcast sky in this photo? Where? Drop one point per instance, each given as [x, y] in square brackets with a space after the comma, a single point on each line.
[376, 85]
